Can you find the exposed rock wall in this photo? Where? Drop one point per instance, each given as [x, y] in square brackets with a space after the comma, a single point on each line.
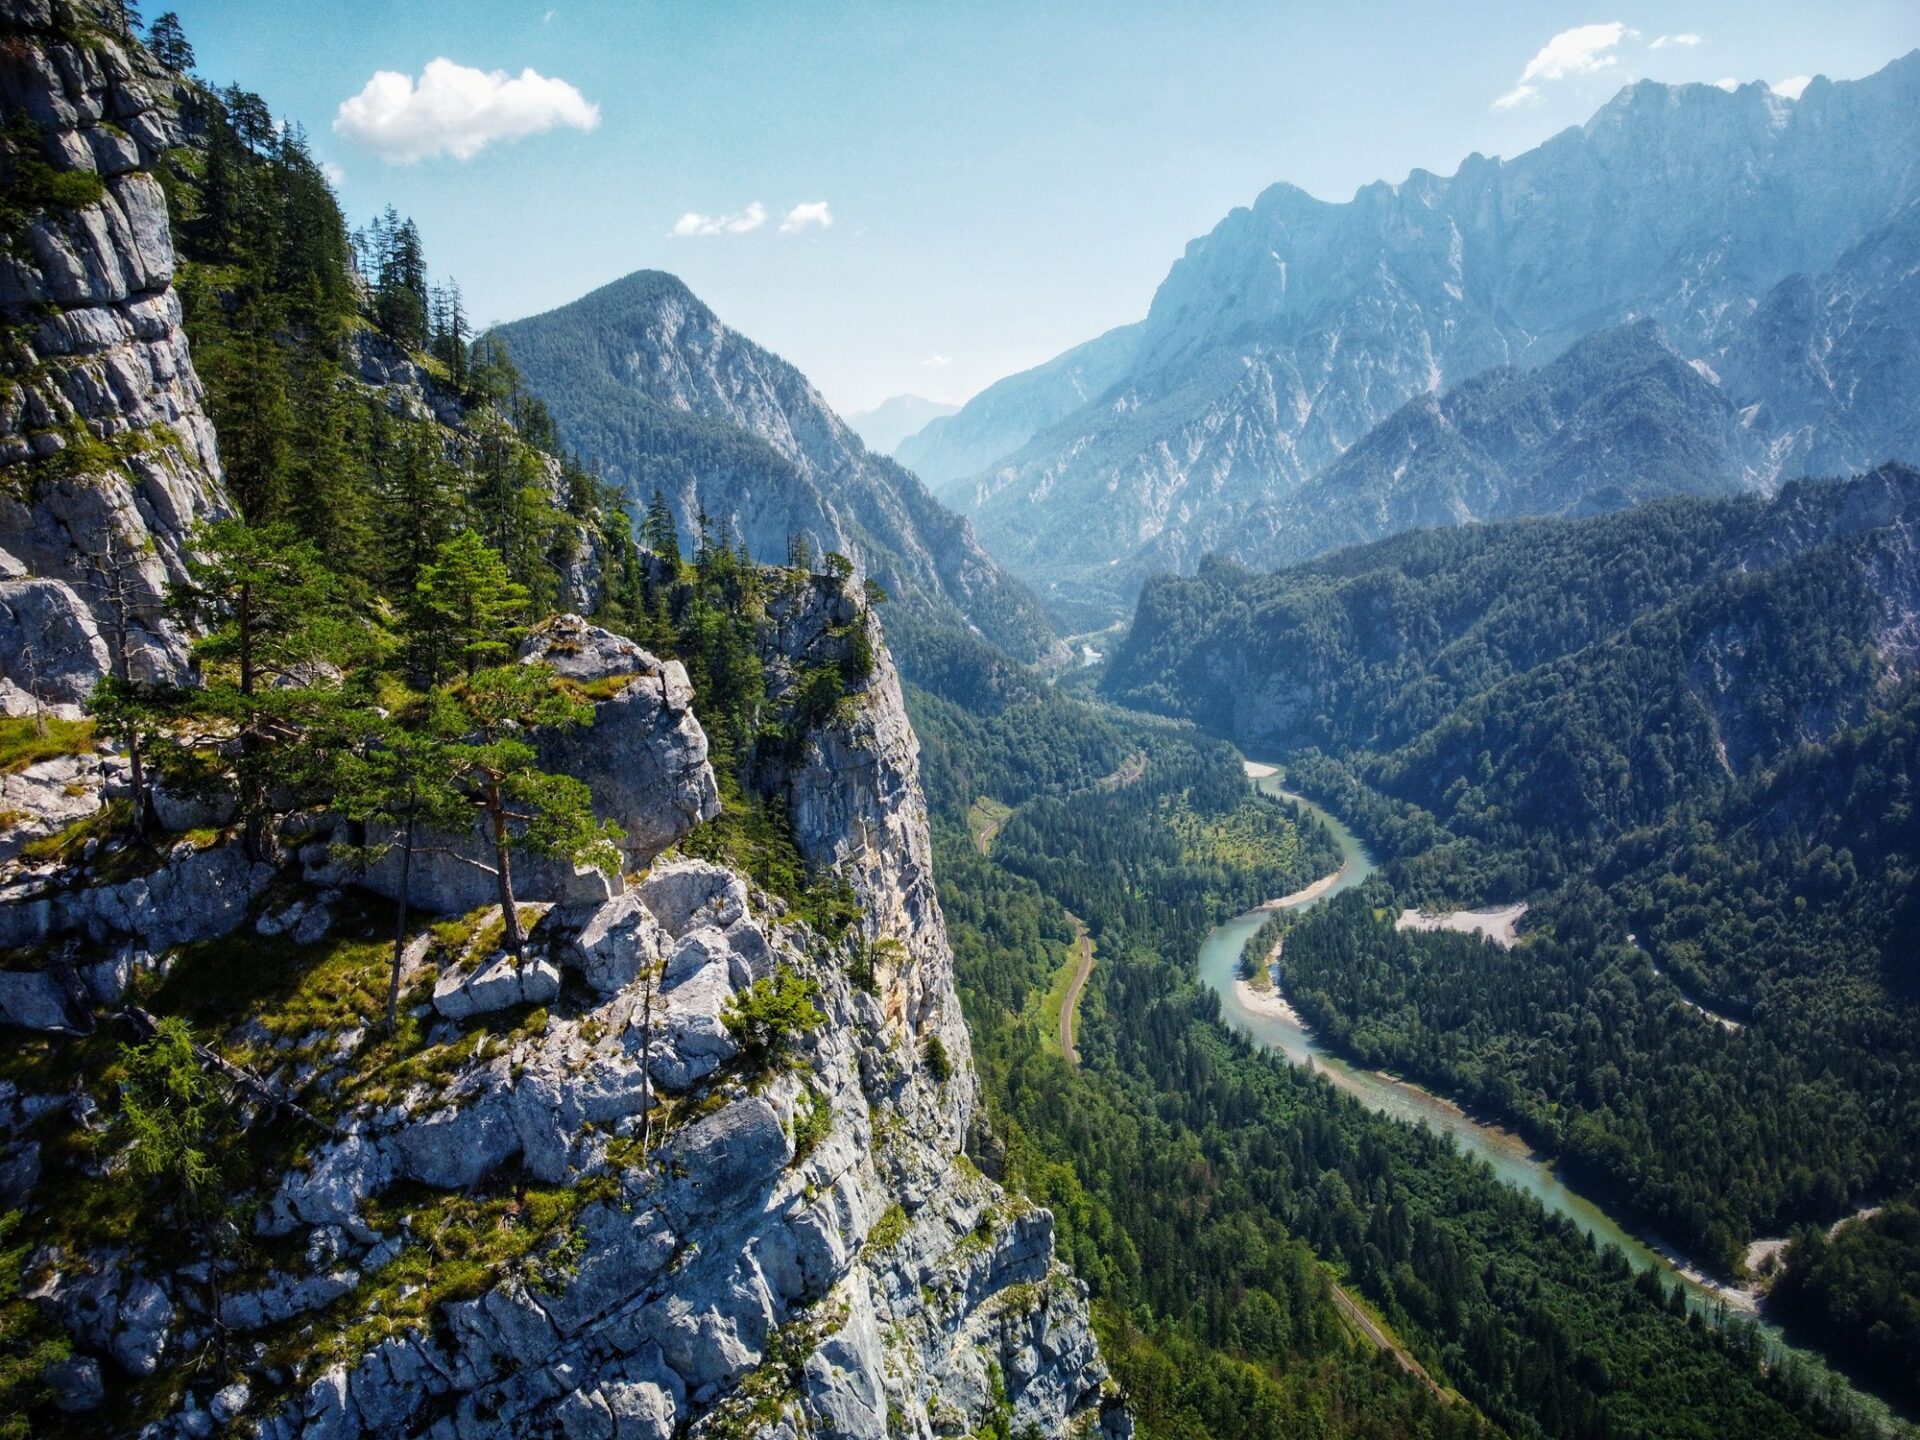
[799, 1248]
[107, 458]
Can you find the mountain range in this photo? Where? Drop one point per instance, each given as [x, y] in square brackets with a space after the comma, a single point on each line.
[1770, 240]
[645, 381]
[894, 419]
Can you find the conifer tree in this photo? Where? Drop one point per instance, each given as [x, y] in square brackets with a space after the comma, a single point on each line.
[659, 532]
[400, 779]
[520, 806]
[467, 609]
[168, 41]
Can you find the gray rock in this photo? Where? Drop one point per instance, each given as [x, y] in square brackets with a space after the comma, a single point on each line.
[614, 941]
[76, 1384]
[229, 1401]
[343, 1173]
[313, 926]
[33, 1000]
[456, 1146]
[694, 1038]
[194, 810]
[498, 984]
[686, 894]
[640, 1411]
[196, 895]
[284, 1297]
[624, 1252]
[50, 645]
[19, 1173]
[729, 1152]
[146, 1317]
[645, 755]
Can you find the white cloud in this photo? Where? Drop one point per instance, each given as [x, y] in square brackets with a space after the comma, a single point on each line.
[336, 177]
[936, 362]
[1661, 42]
[1728, 84]
[1793, 86]
[739, 223]
[457, 110]
[549, 17]
[814, 212]
[1583, 50]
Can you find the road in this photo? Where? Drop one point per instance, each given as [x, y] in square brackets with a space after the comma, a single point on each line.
[1070, 1006]
[1381, 1340]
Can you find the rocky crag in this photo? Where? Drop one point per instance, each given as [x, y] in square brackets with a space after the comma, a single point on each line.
[649, 383]
[107, 458]
[730, 1247]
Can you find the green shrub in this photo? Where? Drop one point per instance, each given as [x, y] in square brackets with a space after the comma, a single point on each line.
[768, 1016]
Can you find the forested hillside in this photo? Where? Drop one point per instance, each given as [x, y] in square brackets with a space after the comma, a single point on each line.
[1201, 1184]
[1683, 735]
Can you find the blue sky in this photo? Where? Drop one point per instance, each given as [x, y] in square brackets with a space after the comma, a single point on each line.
[1003, 180]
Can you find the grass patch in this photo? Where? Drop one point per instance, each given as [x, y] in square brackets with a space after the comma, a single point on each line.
[27, 740]
[984, 819]
[889, 1230]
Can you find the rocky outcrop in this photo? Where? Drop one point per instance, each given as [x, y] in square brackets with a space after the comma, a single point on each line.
[645, 754]
[644, 758]
[741, 1236]
[107, 458]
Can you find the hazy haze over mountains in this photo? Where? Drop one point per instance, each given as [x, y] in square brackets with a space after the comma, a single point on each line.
[894, 419]
[1770, 239]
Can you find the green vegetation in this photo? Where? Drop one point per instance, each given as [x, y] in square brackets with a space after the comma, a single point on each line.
[29, 1339]
[1860, 1290]
[889, 1229]
[1199, 1184]
[1674, 732]
[31, 185]
[27, 740]
[768, 1018]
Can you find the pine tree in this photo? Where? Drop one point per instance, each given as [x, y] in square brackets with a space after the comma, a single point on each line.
[416, 497]
[168, 41]
[327, 489]
[659, 532]
[276, 627]
[467, 609]
[400, 780]
[521, 807]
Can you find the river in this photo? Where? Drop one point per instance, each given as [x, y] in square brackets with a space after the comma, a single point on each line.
[1513, 1160]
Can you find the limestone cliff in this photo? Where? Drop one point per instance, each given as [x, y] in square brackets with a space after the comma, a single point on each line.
[706, 1240]
[107, 458]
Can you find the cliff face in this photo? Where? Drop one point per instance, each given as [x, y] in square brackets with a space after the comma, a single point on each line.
[692, 1166]
[107, 458]
[708, 1237]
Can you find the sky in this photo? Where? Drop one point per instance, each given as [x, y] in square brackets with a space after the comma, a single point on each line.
[923, 196]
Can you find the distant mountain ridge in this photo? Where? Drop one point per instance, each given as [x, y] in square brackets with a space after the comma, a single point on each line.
[894, 419]
[1010, 412]
[645, 379]
[1619, 419]
[1282, 338]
